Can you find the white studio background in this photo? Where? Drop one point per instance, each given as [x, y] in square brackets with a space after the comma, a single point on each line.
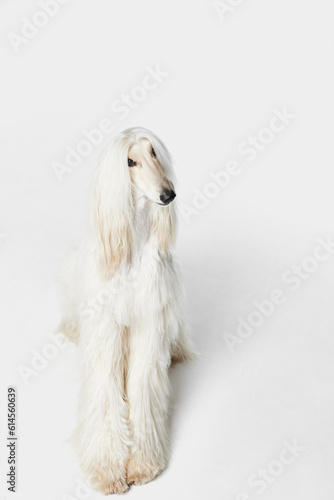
[228, 70]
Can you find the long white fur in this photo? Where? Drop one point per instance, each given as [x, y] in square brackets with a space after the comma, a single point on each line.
[125, 268]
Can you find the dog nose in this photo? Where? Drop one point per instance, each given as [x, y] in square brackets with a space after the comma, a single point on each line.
[167, 196]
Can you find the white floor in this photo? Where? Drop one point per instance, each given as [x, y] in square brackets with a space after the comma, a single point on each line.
[253, 416]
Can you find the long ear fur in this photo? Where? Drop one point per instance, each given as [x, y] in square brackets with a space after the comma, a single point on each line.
[113, 207]
[164, 218]
[165, 226]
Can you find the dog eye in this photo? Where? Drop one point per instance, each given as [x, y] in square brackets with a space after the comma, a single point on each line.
[131, 163]
[153, 153]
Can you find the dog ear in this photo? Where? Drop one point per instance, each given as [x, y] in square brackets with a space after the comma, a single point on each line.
[113, 207]
[165, 226]
[164, 218]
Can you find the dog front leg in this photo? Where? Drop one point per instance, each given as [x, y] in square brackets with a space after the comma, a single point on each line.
[148, 395]
[101, 438]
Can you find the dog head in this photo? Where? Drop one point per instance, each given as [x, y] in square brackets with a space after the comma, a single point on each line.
[149, 167]
[135, 164]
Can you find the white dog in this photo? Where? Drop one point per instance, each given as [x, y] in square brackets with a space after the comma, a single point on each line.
[129, 337]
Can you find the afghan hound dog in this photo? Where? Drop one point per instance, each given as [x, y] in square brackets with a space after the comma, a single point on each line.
[122, 306]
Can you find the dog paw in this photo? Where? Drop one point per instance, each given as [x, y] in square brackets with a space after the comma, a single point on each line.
[103, 480]
[140, 471]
